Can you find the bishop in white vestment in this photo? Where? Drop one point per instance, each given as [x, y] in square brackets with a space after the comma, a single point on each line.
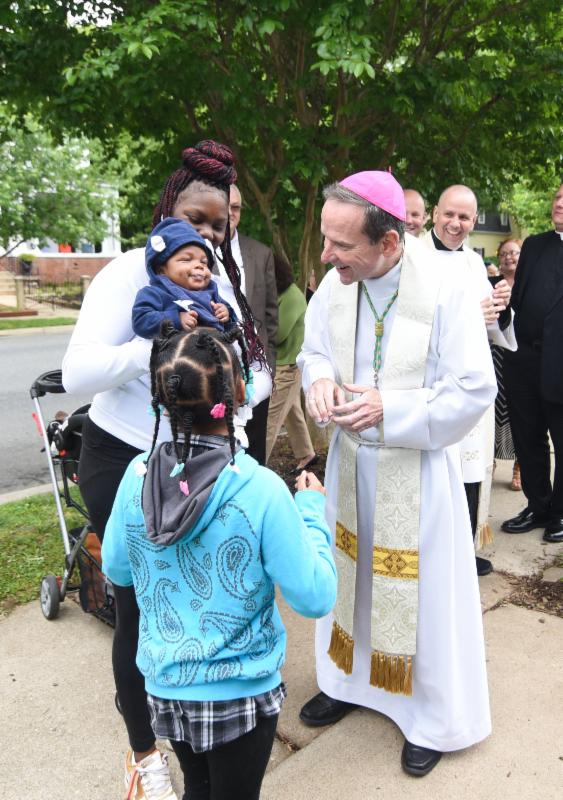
[405, 637]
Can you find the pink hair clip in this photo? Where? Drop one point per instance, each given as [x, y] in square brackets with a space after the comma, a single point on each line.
[184, 488]
[218, 410]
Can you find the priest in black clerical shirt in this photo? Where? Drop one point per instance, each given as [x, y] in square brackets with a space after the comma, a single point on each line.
[534, 378]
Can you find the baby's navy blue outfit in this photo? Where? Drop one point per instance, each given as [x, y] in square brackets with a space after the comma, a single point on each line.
[156, 302]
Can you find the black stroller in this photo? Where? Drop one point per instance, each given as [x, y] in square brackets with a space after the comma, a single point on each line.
[62, 440]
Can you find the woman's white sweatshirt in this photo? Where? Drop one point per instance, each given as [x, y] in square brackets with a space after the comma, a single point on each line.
[106, 358]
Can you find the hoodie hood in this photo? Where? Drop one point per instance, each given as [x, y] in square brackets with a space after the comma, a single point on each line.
[169, 514]
[169, 236]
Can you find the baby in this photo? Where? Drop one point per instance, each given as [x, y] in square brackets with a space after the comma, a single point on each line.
[178, 262]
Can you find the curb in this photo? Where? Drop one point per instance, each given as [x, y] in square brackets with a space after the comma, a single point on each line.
[22, 494]
[43, 331]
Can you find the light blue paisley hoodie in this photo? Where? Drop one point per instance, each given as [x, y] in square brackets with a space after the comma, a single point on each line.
[209, 626]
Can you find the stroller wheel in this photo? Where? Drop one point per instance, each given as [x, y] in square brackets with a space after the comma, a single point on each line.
[50, 597]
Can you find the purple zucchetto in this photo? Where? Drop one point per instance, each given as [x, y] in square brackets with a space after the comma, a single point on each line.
[379, 188]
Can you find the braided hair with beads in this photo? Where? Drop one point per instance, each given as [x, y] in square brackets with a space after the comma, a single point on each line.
[212, 164]
[194, 377]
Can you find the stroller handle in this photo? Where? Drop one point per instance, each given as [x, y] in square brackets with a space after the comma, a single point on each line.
[48, 383]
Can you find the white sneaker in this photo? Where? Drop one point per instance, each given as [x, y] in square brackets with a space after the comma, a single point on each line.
[149, 779]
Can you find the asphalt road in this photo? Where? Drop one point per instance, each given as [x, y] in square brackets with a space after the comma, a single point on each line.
[22, 360]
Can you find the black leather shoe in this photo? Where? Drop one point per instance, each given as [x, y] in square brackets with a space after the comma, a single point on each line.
[484, 566]
[554, 531]
[418, 761]
[310, 463]
[525, 521]
[323, 710]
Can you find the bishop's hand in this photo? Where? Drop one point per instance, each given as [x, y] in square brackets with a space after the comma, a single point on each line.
[363, 412]
[322, 398]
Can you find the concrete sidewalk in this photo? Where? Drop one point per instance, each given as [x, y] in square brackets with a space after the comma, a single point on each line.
[64, 738]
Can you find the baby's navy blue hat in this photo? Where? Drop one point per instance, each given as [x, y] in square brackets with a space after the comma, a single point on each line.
[168, 236]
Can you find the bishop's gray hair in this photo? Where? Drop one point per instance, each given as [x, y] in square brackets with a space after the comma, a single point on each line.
[376, 221]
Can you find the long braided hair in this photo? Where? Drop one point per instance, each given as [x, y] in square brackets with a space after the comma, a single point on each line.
[194, 377]
[212, 163]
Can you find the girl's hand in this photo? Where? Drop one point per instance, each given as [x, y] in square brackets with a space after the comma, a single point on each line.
[188, 320]
[308, 480]
[221, 312]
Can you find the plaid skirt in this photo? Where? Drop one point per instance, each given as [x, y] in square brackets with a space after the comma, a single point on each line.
[207, 725]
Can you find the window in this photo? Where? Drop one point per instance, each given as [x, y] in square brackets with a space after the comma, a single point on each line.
[481, 218]
[504, 218]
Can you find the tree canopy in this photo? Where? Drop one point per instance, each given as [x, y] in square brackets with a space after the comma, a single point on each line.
[48, 190]
[304, 91]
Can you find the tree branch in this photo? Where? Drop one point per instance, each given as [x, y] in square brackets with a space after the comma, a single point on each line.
[468, 127]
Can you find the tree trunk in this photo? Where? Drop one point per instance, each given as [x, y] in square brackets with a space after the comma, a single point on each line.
[310, 247]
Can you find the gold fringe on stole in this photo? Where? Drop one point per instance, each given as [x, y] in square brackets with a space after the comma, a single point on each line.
[392, 673]
[341, 649]
[483, 536]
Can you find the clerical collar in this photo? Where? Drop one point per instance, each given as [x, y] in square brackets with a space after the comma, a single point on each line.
[439, 245]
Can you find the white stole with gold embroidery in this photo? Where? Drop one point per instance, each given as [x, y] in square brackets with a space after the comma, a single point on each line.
[397, 493]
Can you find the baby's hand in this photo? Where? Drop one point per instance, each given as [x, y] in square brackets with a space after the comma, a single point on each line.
[188, 320]
[308, 480]
[221, 312]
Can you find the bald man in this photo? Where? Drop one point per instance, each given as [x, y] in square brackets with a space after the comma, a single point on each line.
[417, 216]
[454, 218]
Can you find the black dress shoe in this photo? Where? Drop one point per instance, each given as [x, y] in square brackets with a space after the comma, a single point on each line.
[310, 463]
[418, 761]
[554, 531]
[484, 566]
[324, 710]
[525, 521]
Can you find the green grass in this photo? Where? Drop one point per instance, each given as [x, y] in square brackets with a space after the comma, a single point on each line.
[31, 546]
[34, 322]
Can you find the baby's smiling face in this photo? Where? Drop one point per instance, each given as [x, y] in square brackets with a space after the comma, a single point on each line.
[188, 268]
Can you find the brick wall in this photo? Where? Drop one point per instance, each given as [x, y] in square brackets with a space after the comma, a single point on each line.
[59, 268]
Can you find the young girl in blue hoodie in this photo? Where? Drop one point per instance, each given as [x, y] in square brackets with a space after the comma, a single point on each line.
[204, 534]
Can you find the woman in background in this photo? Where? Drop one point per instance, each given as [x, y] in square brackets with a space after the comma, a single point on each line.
[508, 255]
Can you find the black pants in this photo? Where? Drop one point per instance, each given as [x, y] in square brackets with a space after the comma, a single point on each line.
[103, 461]
[531, 418]
[256, 431]
[472, 494]
[233, 770]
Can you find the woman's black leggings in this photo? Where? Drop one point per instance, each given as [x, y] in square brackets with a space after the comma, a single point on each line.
[235, 769]
[103, 461]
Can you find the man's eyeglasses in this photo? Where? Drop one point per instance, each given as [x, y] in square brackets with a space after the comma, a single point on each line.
[509, 253]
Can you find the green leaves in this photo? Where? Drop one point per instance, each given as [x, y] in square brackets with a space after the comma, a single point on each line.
[304, 92]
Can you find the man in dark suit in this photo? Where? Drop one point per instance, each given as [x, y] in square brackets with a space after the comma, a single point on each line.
[258, 281]
[534, 378]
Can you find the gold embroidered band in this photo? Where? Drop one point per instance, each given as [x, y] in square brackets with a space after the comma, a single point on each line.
[395, 563]
[346, 541]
